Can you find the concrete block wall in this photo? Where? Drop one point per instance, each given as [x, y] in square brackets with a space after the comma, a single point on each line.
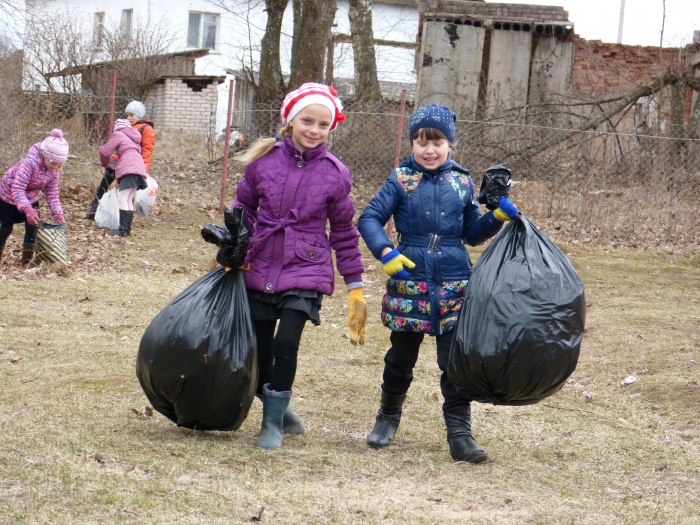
[541, 13]
[174, 106]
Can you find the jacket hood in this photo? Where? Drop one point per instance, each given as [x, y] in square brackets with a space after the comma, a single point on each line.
[131, 133]
[448, 165]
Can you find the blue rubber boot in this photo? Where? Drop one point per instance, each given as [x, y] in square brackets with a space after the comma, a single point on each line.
[274, 406]
[292, 423]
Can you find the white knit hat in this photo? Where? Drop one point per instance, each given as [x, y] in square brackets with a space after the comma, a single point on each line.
[308, 94]
[137, 108]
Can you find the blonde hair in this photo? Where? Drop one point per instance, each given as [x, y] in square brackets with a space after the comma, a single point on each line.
[262, 147]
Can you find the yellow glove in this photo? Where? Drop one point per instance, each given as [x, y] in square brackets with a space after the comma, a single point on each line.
[393, 263]
[357, 316]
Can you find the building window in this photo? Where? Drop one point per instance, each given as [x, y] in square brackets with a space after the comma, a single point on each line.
[201, 31]
[127, 17]
[98, 30]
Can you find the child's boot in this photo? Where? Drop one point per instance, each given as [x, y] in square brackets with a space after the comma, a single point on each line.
[292, 422]
[274, 406]
[123, 224]
[92, 210]
[388, 419]
[129, 220]
[27, 253]
[463, 447]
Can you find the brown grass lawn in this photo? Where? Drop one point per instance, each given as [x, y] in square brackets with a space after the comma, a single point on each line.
[74, 450]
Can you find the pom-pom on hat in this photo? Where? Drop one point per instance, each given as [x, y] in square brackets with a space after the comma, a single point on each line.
[434, 116]
[121, 123]
[308, 94]
[137, 108]
[55, 147]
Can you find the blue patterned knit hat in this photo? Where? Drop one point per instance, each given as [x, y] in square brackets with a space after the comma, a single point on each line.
[434, 116]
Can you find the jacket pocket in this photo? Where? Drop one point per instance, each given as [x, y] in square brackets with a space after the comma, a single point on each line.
[309, 252]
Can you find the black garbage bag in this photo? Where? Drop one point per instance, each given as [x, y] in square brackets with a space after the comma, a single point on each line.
[519, 333]
[197, 361]
[494, 185]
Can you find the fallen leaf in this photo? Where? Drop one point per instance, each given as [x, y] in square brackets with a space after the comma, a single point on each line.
[435, 397]
[100, 458]
[137, 412]
[258, 515]
[86, 298]
[16, 360]
[148, 411]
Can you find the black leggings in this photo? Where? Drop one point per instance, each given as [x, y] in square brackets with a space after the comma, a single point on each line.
[401, 358]
[277, 353]
[29, 233]
[106, 182]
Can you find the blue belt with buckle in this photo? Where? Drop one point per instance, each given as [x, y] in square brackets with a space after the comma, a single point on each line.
[431, 240]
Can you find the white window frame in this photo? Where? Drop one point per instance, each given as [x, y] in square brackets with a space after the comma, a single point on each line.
[127, 22]
[200, 29]
[98, 29]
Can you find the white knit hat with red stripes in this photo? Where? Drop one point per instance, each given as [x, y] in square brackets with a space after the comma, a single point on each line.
[309, 94]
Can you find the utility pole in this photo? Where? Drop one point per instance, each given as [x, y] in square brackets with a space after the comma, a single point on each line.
[622, 21]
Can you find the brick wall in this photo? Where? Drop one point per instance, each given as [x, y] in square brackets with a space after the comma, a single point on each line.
[175, 106]
[605, 69]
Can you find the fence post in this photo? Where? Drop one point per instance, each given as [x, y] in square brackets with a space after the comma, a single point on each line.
[397, 156]
[227, 145]
[112, 96]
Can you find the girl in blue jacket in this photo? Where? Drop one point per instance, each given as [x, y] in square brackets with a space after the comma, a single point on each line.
[433, 202]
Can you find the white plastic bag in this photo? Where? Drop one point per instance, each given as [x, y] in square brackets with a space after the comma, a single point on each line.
[107, 214]
[146, 199]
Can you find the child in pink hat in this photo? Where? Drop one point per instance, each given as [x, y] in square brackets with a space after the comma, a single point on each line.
[20, 187]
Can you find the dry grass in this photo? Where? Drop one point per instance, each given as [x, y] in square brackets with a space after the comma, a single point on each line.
[74, 451]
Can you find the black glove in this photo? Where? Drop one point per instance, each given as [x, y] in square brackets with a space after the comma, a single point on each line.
[494, 185]
[232, 240]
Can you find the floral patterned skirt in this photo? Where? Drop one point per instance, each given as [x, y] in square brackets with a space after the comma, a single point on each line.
[410, 306]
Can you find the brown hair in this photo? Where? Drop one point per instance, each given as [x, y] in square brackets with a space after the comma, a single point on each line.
[262, 147]
[429, 134]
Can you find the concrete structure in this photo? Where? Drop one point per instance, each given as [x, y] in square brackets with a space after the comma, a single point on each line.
[508, 69]
[496, 41]
[450, 61]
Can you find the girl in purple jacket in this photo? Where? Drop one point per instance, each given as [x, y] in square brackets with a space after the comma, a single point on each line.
[292, 188]
[20, 187]
[130, 171]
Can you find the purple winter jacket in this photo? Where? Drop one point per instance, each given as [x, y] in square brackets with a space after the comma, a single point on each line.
[288, 207]
[127, 143]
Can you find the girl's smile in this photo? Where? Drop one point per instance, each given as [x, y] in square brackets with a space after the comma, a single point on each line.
[311, 126]
[430, 154]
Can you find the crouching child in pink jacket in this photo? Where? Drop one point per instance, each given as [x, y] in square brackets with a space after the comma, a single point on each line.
[130, 172]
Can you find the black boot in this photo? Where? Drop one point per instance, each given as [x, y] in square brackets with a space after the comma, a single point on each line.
[129, 220]
[388, 419]
[27, 253]
[463, 447]
[90, 214]
[123, 229]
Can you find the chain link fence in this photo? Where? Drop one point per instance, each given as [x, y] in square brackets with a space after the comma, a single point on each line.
[610, 181]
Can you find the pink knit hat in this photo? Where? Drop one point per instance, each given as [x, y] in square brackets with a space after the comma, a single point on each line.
[308, 94]
[55, 147]
[121, 123]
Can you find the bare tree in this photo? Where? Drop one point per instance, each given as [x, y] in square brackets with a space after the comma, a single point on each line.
[366, 81]
[271, 87]
[312, 37]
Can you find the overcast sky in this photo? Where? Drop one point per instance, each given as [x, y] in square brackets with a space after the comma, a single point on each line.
[598, 19]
